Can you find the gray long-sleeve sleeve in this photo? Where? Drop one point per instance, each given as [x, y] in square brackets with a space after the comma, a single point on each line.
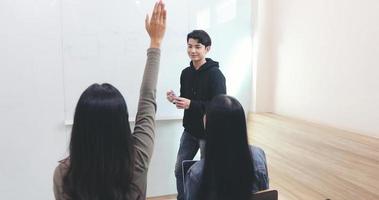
[144, 130]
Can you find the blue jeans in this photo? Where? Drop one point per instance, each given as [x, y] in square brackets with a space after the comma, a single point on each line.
[189, 145]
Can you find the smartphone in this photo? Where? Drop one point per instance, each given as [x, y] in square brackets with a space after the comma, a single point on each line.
[172, 94]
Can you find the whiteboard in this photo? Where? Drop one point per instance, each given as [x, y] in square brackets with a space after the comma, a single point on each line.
[106, 41]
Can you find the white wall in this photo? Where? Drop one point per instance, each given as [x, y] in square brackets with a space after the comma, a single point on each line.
[31, 96]
[262, 81]
[319, 62]
[161, 179]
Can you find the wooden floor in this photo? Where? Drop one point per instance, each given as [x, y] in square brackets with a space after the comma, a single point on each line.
[307, 161]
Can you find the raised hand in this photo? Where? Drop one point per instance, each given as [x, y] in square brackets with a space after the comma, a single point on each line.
[156, 26]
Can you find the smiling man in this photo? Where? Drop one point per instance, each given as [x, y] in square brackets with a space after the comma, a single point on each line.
[199, 83]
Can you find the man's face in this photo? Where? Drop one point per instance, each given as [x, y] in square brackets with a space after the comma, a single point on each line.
[196, 51]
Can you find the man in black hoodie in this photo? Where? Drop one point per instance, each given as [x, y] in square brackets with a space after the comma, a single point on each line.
[199, 83]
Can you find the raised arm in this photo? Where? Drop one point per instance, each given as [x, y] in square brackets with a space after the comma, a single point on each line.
[145, 120]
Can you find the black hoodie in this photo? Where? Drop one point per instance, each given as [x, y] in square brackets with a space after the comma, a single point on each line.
[200, 86]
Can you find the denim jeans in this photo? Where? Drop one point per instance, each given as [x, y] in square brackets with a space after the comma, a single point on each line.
[189, 145]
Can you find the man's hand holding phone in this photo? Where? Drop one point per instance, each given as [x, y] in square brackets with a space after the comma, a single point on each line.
[171, 96]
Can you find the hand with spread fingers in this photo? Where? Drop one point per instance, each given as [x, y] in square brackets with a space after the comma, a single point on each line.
[156, 26]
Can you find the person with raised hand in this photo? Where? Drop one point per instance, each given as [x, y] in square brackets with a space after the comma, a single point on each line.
[108, 161]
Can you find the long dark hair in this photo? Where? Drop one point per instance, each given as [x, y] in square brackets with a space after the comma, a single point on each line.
[228, 166]
[101, 158]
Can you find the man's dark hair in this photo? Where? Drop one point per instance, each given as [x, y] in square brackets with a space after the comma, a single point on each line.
[201, 36]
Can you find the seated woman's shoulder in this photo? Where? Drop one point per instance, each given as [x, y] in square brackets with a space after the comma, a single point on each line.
[255, 150]
[62, 168]
[195, 171]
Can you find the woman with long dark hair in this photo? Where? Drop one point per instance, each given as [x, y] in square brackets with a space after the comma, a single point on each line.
[231, 169]
[107, 160]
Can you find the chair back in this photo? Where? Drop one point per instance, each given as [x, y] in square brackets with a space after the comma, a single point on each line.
[265, 195]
